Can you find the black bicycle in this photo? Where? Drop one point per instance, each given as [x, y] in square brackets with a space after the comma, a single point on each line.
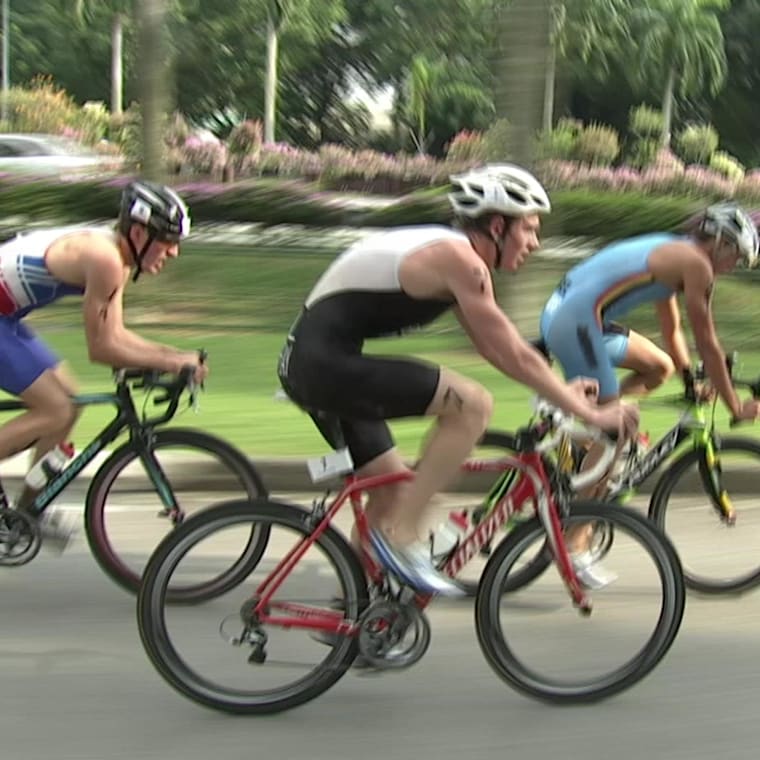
[144, 488]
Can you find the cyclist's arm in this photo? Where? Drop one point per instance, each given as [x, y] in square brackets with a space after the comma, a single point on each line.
[499, 342]
[697, 288]
[108, 340]
[672, 334]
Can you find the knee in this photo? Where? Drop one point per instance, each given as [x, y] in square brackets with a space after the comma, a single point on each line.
[477, 406]
[62, 413]
[662, 369]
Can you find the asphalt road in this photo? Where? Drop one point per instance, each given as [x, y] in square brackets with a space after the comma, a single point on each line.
[75, 684]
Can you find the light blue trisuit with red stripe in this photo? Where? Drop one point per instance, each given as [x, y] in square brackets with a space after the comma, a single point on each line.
[577, 322]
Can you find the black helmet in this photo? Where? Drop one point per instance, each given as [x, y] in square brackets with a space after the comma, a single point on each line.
[157, 207]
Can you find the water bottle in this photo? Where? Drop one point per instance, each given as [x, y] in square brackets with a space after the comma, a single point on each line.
[446, 538]
[49, 465]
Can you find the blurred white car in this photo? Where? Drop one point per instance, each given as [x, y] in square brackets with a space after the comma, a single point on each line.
[50, 155]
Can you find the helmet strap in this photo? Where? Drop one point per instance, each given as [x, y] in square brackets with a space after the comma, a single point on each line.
[138, 257]
[717, 242]
[499, 243]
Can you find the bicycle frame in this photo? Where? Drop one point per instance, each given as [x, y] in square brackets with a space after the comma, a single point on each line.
[693, 425]
[530, 486]
[127, 418]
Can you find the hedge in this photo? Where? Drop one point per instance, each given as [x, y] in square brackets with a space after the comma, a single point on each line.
[602, 215]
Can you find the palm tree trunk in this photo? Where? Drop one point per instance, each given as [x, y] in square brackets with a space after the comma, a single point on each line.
[151, 18]
[521, 76]
[270, 89]
[667, 108]
[549, 86]
[521, 86]
[117, 38]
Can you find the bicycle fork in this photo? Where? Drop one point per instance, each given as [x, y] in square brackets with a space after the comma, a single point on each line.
[170, 509]
[711, 475]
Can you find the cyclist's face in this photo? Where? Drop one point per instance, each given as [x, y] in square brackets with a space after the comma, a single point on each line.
[157, 253]
[726, 258]
[520, 240]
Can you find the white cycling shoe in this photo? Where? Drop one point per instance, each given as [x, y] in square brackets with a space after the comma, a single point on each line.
[590, 572]
[414, 566]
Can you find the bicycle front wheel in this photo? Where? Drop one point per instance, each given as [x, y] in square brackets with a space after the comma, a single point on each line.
[718, 558]
[542, 646]
[125, 515]
[217, 653]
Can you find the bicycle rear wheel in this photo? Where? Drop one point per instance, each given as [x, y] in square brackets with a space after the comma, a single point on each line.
[125, 516]
[717, 558]
[270, 667]
[538, 643]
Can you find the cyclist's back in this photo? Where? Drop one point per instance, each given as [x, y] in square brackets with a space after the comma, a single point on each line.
[611, 282]
[360, 295]
[26, 282]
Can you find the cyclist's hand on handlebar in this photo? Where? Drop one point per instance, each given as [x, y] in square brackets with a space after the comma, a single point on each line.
[193, 359]
[750, 410]
[617, 417]
[704, 391]
[585, 387]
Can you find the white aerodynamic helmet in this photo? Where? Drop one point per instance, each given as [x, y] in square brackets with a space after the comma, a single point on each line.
[729, 221]
[500, 189]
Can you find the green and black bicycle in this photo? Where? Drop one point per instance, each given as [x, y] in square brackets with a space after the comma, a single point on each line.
[144, 487]
[707, 500]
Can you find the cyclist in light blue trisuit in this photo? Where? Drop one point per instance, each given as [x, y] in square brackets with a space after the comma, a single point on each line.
[578, 321]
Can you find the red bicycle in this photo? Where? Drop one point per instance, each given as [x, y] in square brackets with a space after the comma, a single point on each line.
[311, 605]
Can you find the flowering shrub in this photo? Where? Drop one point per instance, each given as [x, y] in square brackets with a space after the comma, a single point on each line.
[41, 108]
[244, 143]
[666, 178]
[666, 159]
[726, 164]
[597, 145]
[559, 143]
[643, 152]
[203, 156]
[467, 145]
[645, 122]
[697, 142]
[749, 187]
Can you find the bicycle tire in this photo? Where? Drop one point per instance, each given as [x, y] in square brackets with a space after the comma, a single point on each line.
[662, 498]
[534, 568]
[110, 558]
[510, 668]
[152, 620]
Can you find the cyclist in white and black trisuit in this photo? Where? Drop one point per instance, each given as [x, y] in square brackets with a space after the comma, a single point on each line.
[399, 280]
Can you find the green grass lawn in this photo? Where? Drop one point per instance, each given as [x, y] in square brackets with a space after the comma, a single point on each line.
[239, 402]
[237, 303]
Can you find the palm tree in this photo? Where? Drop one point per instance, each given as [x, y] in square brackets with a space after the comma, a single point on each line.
[588, 30]
[120, 10]
[150, 18]
[314, 19]
[277, 12]
[428, 81]
[680, 45]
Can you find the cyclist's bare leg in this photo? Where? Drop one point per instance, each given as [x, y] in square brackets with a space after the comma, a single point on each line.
[48, 421]
[579, 537]
[382, 501]
[463, 408]
[650, 365]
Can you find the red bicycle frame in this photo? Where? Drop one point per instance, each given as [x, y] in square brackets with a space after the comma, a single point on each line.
[531, 487]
